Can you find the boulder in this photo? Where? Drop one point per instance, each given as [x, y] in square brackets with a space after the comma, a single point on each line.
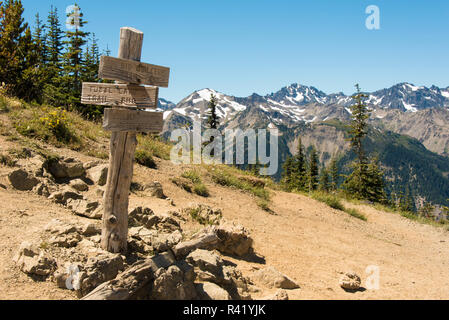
[22, 180]
[98, 270]
[172, 284]
[65, 240]
[211, 291]
[234, 239]
[156, 190]
[85, 208]
[42, 190]
[98, 174]
[90, 229]
[32, 261]
[272, 278]
[58, 227]
[145, 217]
[159, 242]
[79, 185]
[64, 195]
[206, 261]
[350, 281]
[66, 168]
[64, 234]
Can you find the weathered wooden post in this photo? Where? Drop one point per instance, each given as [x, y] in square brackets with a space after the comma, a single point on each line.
[124, 123]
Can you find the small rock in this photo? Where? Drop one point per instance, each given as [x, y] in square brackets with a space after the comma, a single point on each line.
[234, 239]
[90, 229]
[350, 281]
[156, 190]
[272, 278]
[22, 180]
[98, 174]
[42, 190]
[99, 269]
[281, 294]
[65, 240]
[2, 186]
[206, 261]
[63, 196]
[79, 185]
[58, 227]
[211, 291]
[204, 214]
[100, 192]
[68, 168]
[84, 208]
[33, 261]
[172, 284]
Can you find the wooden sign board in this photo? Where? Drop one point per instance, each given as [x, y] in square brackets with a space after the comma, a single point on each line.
[123, 120]
[119, 95]
[133, 72]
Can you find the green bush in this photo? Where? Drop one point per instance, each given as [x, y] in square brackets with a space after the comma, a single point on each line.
[229, 180]
[192, 175]
[201, 190]
[6, 160]
[331, 200]
[355, 214]
[3, 105]
[145, 159]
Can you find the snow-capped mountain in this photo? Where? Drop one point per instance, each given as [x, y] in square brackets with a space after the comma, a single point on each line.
[298, 105]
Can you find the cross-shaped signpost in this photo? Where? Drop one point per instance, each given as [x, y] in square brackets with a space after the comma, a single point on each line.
[127, 96]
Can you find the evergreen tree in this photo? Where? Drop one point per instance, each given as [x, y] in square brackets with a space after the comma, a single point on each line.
[324, 184]
[299, 168]
[39, 38]
[375, 182]
[287, 174]
[91, 61]
[335, 177]
[366, 179]
[54, 92]
[54, 44]
[212, 119]
[313, 170]
[17, 52]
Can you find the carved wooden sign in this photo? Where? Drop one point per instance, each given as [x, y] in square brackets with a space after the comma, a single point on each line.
[133, 72]
[119, 95]
[123, 120]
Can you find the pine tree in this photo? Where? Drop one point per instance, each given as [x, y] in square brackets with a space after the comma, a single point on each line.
[366, 178]
[91, 61]
[375, 182]
[335, 177]
[212, 119]
[324, 184]
[54, 44]
[39, 38]
[299, 168]
[287, 174]
[17, 52]
[313, 170]
[54, 92]
[73, 64]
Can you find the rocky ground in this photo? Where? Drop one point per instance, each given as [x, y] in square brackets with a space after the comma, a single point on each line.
[50, 224]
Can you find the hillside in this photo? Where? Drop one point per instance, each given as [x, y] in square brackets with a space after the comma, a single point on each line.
[302, 238]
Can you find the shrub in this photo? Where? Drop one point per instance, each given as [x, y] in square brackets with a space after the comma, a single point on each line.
[331, 200]
[355, 214]
[154, 146]
[145, 159]
[192, 176]
[3, 105]
[56, 122]
[201, 190]
[229, 180]
[6, 160]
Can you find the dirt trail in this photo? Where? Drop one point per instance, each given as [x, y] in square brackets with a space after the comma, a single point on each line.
[306, 240]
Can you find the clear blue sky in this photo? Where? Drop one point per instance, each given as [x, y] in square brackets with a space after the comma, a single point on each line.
[243, 46]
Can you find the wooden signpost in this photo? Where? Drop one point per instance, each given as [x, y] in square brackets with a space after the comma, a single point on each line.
[124, 121]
